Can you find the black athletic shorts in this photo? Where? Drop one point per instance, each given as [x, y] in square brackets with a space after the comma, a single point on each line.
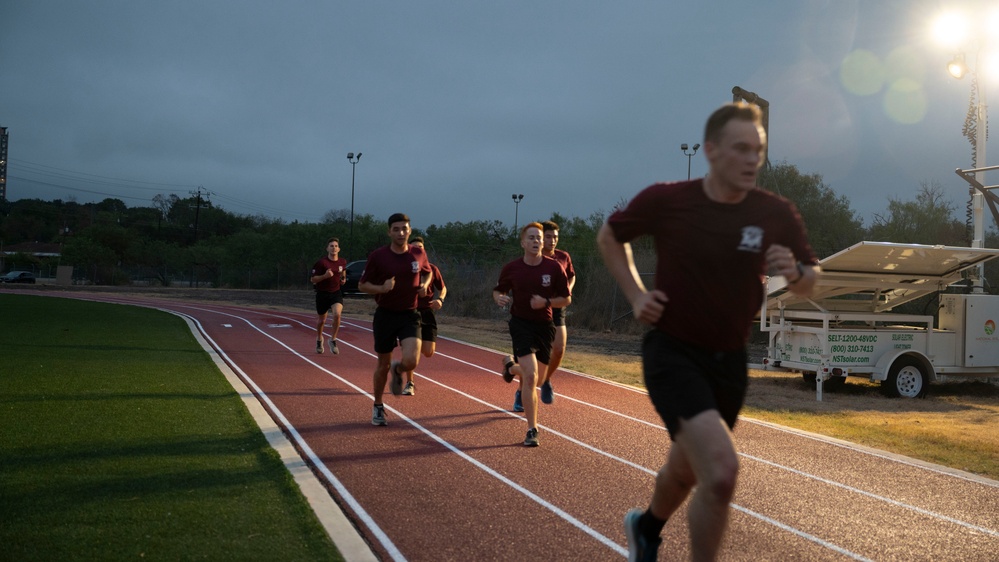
[684, 380]
[532, 337]
[391, 326]
[325, 300]
[558, 316]
[428, 324]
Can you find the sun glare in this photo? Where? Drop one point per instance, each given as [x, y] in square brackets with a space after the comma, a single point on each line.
[951, 29]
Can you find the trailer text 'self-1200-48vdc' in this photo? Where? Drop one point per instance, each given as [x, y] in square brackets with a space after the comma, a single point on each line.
[847, 328]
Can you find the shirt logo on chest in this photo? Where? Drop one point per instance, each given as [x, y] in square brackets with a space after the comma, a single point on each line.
[752, 239]
[546, 280]
[416, 267]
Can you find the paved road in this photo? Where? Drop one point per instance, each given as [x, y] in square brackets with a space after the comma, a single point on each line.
[448, 478]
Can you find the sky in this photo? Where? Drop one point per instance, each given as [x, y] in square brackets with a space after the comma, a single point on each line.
[456, 106]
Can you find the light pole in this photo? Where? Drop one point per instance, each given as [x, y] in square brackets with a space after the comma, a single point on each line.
[353, 164]
[684, 147]
[956, 32]
[517, 198]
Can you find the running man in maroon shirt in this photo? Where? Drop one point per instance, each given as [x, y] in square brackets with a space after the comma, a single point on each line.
[549, 249]
[328, 275]
[428, 306]
[397, 275]
[715, 238]
[537, 283]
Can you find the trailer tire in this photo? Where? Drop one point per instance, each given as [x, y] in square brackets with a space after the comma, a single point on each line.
[907, 379]
[809, 378]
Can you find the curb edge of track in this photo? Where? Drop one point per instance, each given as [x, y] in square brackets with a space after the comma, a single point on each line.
[339, 528]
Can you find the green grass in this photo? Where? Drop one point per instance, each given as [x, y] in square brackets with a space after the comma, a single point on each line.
[120, 439]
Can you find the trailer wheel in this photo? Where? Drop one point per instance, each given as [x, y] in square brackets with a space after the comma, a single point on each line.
[906, 378]
[809, 378]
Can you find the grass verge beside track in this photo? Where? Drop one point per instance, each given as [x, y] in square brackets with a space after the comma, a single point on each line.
[119, 438]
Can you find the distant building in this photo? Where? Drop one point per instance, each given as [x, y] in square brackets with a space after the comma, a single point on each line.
[36, 249]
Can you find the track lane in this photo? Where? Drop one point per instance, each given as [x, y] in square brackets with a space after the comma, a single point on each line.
[798, 482]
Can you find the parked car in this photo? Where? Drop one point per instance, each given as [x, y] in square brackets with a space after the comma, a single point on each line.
[18, 277]
[354, 271]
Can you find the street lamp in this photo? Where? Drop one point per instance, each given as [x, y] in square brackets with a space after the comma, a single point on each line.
[684, 147]
[353, 163]
[517, 198]
[953, 30]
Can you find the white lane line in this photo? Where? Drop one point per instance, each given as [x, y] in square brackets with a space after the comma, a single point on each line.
[659, 426]
[475, 462]
[872, 495]
[572, 440]
[799, 533]
[342, 490]
[944, 471]
[817, 478]
[363, 515]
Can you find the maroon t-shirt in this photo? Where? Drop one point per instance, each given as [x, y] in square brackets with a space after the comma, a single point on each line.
[563, 258]
[436, 286]
[407, 268]
[546, 279]
[332, 284]
[710, 256]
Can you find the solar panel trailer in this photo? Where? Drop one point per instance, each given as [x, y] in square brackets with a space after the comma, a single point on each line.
[847, 327]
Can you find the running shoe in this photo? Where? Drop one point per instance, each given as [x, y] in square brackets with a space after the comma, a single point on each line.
[378, 415]
[547, 392]
[518, 405]
[640, 548]
[532, 438]
[508, 362]
[396, 384]
[333, 348]
[319, 347]
[410, 389]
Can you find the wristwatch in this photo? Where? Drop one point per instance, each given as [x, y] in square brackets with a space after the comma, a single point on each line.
[801, 273]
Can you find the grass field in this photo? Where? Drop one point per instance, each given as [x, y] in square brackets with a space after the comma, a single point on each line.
[121, 439]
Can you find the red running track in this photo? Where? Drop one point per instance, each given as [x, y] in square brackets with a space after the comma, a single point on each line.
[448, 478]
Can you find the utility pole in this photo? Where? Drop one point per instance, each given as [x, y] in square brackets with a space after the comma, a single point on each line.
[197, 214]
[197, 210]
[3, 163]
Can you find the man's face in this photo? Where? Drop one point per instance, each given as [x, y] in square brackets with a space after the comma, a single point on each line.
[399, 233]
[737, 156]
[417, 245]
[531, 241]
[551, 240]
[333, 248]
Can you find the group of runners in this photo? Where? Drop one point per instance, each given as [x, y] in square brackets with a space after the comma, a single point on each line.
[716, 238]
[408, 291]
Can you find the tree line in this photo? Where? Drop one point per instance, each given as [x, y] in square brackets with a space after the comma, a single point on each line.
[189, 241]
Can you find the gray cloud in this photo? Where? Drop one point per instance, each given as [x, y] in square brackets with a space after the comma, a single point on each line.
[454, 105]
